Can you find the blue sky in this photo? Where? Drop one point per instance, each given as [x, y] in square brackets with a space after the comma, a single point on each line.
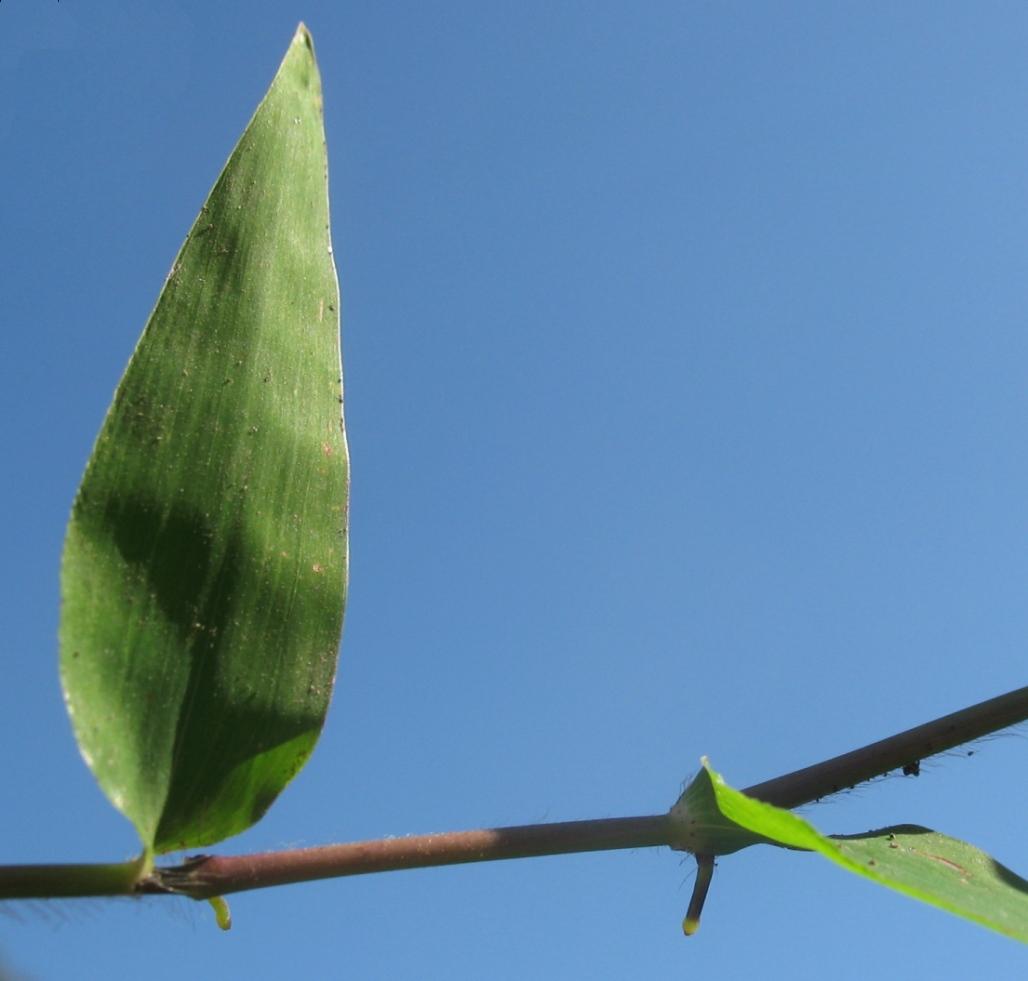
[685, 354]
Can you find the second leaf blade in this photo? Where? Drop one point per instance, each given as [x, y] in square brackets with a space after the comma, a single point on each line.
[716, 819]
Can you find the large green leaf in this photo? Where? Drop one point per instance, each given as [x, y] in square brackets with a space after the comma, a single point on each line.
[203, 578]
[715, 819]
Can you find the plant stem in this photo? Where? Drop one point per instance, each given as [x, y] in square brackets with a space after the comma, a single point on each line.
[906, 749]
[203, 877]
[207, 876]
[211, 876]
[66, 881]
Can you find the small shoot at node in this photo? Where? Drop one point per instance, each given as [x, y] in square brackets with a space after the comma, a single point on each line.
[704, 873]
[221, 912]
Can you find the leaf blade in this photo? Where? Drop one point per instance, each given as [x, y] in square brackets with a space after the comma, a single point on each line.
[204, 571]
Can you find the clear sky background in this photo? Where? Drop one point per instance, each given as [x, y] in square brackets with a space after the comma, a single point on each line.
[686, 358]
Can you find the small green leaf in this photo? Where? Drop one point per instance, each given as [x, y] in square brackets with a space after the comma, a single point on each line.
[204, 570]
[920, 863]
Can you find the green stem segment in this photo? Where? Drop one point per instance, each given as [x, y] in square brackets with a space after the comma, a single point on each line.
[68, 881]
[204, 877]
